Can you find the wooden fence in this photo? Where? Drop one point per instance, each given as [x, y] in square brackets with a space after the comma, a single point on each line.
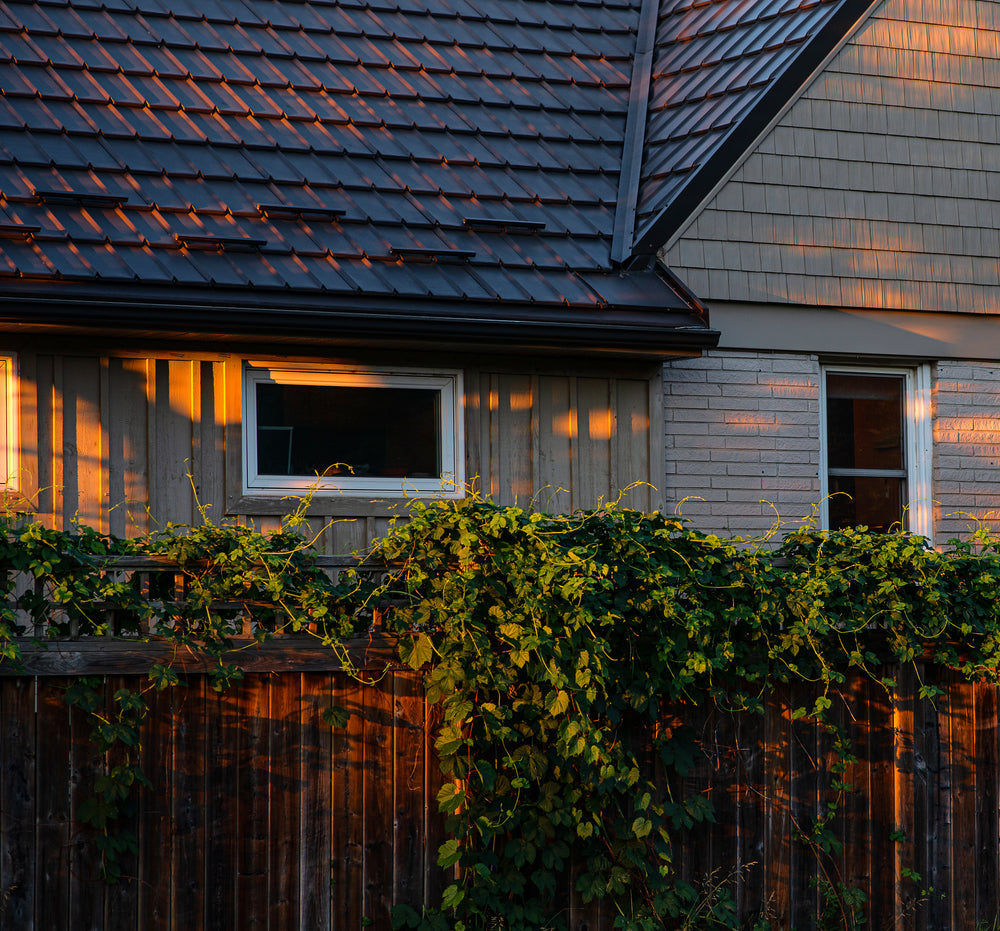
[261, 817]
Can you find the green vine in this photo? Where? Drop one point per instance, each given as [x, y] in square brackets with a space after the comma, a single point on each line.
[555, 646]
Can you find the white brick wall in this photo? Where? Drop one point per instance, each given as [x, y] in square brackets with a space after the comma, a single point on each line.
[966, 447]
[741, 434]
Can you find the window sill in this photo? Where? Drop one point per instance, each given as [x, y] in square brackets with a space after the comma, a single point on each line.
[325, 506]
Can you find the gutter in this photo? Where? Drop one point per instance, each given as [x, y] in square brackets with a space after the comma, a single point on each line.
[638, 332]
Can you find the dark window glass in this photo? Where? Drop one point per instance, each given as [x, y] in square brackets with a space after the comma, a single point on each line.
[865, 421]
[876, 502]
[308, 430]
[865, 449]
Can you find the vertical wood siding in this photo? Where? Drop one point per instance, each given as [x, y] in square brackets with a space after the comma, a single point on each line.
[562, 442]
[262, 817]
[127, 444]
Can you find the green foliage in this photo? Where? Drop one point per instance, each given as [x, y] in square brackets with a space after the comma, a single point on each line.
[229, 574]
[551, 642]
[554, 645]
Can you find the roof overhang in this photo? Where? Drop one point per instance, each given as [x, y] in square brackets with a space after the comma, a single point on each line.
[632, 321]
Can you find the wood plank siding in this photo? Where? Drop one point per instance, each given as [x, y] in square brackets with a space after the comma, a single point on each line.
[260, 816]
[127, 442]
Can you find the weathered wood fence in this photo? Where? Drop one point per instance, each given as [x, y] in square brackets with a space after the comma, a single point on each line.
[262, 817]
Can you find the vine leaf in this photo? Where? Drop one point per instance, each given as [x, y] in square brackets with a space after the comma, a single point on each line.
[450, 798]
[556, 703]
[416, 651]
[641, 827]
[336, 716]
[449, 853]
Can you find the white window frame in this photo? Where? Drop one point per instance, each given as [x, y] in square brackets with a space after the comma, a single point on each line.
[448, 382]
[9, 445]
[918, 442]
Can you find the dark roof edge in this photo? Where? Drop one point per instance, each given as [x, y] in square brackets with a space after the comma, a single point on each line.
[745, 134]
[624, 331]
[635, 132]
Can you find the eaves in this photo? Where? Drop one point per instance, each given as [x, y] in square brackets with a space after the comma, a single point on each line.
[622, 330]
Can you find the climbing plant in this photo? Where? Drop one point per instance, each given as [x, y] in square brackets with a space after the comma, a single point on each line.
[555, 645]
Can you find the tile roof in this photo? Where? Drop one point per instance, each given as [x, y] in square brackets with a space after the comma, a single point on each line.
[493, 157]
[149, 143]
[721, 71]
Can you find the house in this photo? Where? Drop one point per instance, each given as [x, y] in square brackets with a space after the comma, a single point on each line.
[837, 210]
[244, 249]
[252, 251]
[729, 257]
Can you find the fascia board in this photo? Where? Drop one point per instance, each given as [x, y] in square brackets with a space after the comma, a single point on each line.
[641, 332]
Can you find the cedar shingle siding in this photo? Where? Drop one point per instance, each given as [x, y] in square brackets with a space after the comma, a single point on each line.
[875, 189]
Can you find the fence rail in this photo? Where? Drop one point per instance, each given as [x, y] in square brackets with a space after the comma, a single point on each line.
[114, 640]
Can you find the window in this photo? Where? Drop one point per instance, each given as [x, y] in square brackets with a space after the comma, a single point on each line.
[8, 422]
[375, 432]
[875, 460]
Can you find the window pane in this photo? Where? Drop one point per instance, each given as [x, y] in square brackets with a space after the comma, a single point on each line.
[309, 430]
[875, 502]
[864, 421]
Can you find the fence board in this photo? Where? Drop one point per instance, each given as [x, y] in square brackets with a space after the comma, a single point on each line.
[724, 781]
[17, 804]
[52, 832]
[857, 867]
[316, 808]
[252, 825]
[963, 793]
[349, 761]
[121, 907]
[378, 793]
[911, 790]
[705, 851]
[777, 855]
[810, 792]
[156, 840]
[409, 777]
[931, 829]
[285, 785]
[86, 764]
[750, 820]
[222, 795]
[434, 780]
[985, 759]
[190, 759]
